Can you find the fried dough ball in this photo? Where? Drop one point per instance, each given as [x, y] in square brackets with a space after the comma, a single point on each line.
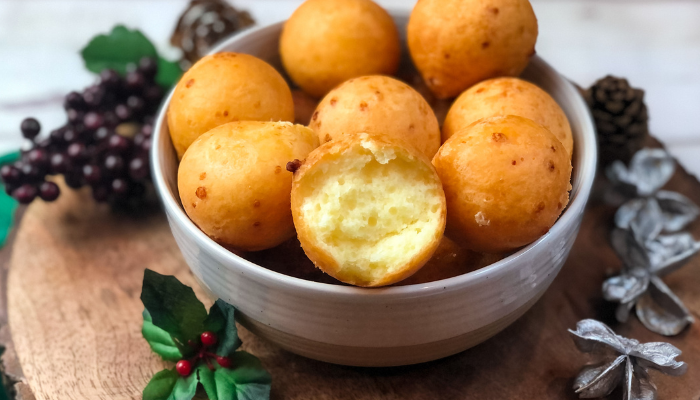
[378, 104]
[508, 96]
[368, 210]
[234, 185]
[226, 87]
[506, 180]
[326, 42]
[457, 43]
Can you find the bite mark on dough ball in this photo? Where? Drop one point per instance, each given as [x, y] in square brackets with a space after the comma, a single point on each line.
[315, 116]
[363, 106]
[540, 206]
[334, 101]
[201, 192]
[551, 166]
[278, 169]
[485, 45]
[328, 138]
[189, 83]
[202, 176]
[256, 203]
[494, 10]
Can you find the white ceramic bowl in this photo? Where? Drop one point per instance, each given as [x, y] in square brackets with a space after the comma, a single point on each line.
[385, 326]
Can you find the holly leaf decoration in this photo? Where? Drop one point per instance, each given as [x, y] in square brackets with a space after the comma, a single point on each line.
[117, 49]
[169, 72]
[173, 307]
[222, 321]
[161, 385]
[206, 378]
[174, 316]
[248, 380]
[122, 47]
[160, 341]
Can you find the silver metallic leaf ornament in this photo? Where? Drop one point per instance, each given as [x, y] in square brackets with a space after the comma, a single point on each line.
[623, 361]
[639, 284]
[648, 172]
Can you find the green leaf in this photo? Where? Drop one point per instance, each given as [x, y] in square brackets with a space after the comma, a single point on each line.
[173, 307]
[248, 380]
[8, 205]
[169, 72]
[185, 388]
[206, 378]
[161, 385]
[117, 50]
[160, 341]
[222, 321]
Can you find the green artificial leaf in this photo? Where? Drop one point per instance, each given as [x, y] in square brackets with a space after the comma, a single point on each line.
[173, 307]
[185, 388]
[161, 385]
[206, 378]
[169, 72]
[248, 380]
[160, 341]
[116, 50]
[8, 205]
[222, 321]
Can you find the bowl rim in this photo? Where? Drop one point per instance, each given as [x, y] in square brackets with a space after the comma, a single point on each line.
[228, 259]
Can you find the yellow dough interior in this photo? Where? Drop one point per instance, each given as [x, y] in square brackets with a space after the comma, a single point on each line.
[372, 210]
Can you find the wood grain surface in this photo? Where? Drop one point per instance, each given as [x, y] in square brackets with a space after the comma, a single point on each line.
[75, 315]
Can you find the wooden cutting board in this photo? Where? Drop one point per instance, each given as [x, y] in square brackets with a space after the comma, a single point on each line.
[73, 291]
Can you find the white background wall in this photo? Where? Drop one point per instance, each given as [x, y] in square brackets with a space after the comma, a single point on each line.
[655, 44]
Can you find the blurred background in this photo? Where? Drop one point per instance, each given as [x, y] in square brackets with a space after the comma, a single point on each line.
[655, 44]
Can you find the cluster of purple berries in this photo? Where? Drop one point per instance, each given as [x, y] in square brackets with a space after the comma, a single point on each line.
[88, 150]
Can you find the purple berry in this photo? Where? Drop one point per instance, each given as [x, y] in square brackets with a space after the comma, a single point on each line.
[77, 152]
[148, 66]
[25, 194]
[59, 163]
[74, 100]
[118, 143]
[92, 121]
[120, 187]
[10, 174]
[135, 81]
[30, 128]
[122, 112]
[109, 79]
[138, 169]
[92, 174]
[114, 164]
[49, 191]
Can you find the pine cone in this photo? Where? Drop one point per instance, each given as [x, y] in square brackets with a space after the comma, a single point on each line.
[620, 116]
[203, 24]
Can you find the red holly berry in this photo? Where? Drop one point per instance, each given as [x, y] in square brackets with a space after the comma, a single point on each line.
[208, 338]
[183, 367]
[224, 361]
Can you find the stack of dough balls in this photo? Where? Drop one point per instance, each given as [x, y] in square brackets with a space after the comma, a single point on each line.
[326, 42]
[367, 187]
[458, 43]
[368, 209]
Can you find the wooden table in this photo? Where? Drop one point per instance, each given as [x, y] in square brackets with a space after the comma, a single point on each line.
[75, 272]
